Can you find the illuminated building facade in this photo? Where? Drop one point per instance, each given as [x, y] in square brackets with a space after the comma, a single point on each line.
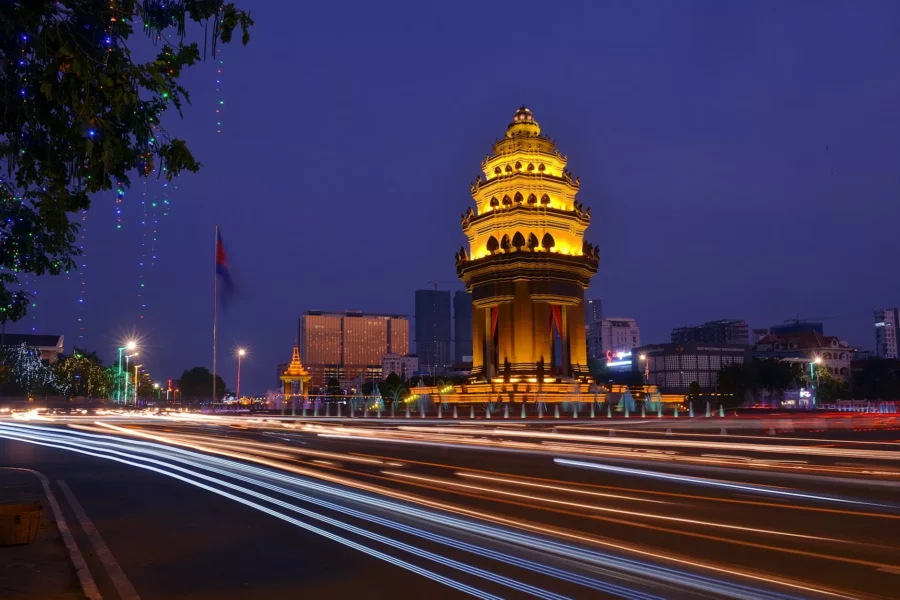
[608, 338]
[673, 367]
[349, 344]
[527, 265]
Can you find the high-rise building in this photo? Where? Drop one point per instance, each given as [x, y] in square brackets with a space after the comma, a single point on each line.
[887, 332]
[609, 337]
[593, 310]
[433, 330]
[462, 327]
[349, 344]
[724, 331]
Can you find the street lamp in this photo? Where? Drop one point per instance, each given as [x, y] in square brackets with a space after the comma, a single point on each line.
[812, 377]
[131, 345]
[158, 392]
[643, 358]
[136, 367]
[240, 354]
[125, 375]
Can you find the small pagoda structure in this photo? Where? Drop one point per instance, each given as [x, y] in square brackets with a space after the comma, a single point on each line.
[296, 372]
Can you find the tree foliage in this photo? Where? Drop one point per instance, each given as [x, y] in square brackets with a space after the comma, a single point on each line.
[879, 379]
[78, 114]
[768, 374]
[27, 374]
[197, 383]
[82, 374]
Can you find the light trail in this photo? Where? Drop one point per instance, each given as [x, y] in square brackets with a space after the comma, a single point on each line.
[557, 488]
[712, 482]
[607, 509]
[341, 540]
[565, 550]
[774, 449]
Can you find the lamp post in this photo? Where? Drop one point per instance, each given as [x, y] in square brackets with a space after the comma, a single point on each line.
[813, 378]
[158, 392]
[130, 346]
[136, 367]
[125, 376]
[643, 358]
[240, 354]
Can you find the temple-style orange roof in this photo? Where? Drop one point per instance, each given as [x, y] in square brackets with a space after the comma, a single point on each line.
[296, 370]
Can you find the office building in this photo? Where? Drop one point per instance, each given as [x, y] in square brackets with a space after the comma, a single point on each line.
[404, 366]
[350, 344]
[887, 332]
[433, 330]
[593, 310]
[462, 327]
[608, 338]
[673, 367]
[724, 331]
[806, 347]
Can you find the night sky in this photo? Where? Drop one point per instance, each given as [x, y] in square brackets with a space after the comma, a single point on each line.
[741, 160]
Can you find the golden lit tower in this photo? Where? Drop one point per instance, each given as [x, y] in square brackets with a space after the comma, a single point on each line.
[528, 264]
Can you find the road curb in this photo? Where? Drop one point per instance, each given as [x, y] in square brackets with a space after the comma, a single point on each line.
[88, 585]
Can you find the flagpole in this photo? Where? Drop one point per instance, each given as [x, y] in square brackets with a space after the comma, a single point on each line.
[215, 314]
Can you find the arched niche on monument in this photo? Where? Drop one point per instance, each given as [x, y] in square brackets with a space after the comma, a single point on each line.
[545, 199]
[518, 198]
[547, 242]
[532, 242]
[492, 244]
[518, 240]
[532, 199]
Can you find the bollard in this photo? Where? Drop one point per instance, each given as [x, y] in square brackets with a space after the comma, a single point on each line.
[327, 410]
[392, 411]
[722, 431]
[691, 409]
[439, 411]
[659, 410]
[575, 413]
[487, 412]
[506, 411]
[304, 410]
[708, 414]
[339, 410]
[366, 412]
[407, 411]
[540, 410]
[556, 411]
[643, 413]
[422, 411]
[676, 411]
[471, 411]
[626, 411]
[455, 416]
[721, 411]
[523, 416]
[668, 431]
[608, 411]
[316, 410]
[592, 410]
[379, 412]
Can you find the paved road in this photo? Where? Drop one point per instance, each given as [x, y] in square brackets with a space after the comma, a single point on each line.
[546, 510]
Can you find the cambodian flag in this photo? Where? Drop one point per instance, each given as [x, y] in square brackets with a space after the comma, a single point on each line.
[226, 287]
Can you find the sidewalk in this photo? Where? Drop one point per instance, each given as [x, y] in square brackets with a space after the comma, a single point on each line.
[42, 569]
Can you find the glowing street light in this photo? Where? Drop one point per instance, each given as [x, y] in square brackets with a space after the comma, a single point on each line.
[131, 346]
[241, 352]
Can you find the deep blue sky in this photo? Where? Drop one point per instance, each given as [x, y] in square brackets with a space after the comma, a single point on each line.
[741, 160]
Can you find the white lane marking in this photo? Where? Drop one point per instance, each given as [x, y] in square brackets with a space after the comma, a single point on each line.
[88, 585]
[116, 574]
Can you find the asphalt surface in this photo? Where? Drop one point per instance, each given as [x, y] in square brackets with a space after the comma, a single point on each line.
[491, 509]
